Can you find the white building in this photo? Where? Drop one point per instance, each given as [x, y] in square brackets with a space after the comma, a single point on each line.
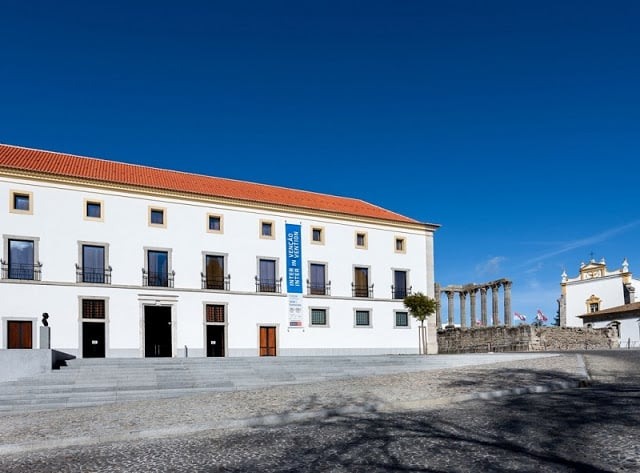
[132, 261]
[601, 298]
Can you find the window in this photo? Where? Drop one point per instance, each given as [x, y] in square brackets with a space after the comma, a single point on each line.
[93, 210]
[267, 229]
[214, 276]
[93, 309]
[399, 289]
[317, 235]
[363, 318]
[318, 281]
[594, 307]
[21, 202]
[157, 217]
[214, 313]
[401, 245]
[318, 317]
[361, 282]
[402, 319]
[21, 260]
[266, 281]
[214, 223]
[157, 273]
[93, 264]
[361, 240]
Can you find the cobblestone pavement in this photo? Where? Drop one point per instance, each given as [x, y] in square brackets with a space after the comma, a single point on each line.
[422, 422]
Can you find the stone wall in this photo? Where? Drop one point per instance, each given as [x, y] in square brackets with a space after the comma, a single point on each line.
[524, 338]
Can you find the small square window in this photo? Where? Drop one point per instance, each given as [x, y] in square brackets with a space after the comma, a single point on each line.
[400, 245]
[157, 217]
[267, 229]
[21, 202]
[361, 240]
[363, 318]
[318, 317]
[317, 235]
[402, 319]
[215, 223]
[94, 210]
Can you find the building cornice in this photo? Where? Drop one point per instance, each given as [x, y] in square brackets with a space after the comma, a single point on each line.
[227, 201]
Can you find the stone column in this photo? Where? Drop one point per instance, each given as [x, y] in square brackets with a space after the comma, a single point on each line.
[463, 309]
[494, 306]
[508, 316]
[449, 307]
[438, 296]
[483, 305]
[472, 297]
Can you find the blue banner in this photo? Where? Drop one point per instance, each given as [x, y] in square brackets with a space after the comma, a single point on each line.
[294, 259]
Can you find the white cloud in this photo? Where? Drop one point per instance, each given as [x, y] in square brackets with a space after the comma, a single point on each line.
[579, 243]
[491, 266]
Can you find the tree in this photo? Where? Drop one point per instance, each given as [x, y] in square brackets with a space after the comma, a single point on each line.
[420, 307]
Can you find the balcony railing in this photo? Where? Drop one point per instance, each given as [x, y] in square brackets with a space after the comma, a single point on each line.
[27, 272]
[400, 292]
[157, 279]
[316, 288]
[221, 283]
[268, 285]
[361, 290]
[93, 275]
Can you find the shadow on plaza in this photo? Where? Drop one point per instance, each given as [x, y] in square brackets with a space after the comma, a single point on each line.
[591, 429]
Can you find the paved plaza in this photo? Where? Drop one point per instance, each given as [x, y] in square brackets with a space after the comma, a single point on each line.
[488, 412]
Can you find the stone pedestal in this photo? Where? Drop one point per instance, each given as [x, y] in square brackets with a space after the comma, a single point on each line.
[45, 338]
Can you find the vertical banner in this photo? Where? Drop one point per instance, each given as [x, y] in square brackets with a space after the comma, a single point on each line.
[294, 274]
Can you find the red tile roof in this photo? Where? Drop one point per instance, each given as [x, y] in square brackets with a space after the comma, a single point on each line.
[100, 170]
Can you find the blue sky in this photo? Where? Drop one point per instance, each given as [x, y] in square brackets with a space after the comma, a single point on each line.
[513, 124]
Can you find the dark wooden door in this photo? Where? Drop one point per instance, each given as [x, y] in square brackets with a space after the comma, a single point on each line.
[20, 334]
[157, 331]
[93, 340]
[267, 341]
[215, 340]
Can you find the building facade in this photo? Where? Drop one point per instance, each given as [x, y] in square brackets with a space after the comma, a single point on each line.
[601, 298]
[131, 261]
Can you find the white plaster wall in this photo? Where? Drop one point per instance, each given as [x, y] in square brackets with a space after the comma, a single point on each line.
[58, 222]
[609, 289]
[629, 331]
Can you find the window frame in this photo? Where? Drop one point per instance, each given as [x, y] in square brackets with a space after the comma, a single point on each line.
[272, 226]
[276, 269]
[220, 221]
[406, 282]
[326, 276]
[365, 239]
[395, 319]
[403, 241]
[225, 273]
[85, 205]
[12, 202]
[170, 274]
[355, 317]
[153, 209]
[326, 317]
[319, 229]
[105, 247]
[36, 255]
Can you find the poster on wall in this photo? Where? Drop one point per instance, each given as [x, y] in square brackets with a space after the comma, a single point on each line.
[294, 274]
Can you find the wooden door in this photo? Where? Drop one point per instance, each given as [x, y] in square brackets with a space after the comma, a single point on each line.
[20, 334]
[267, 341]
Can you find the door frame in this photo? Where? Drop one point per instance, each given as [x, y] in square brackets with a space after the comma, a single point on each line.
[224, 324]
[105, 321]
[35, 343]
[277, 327]
[93, 321]
[164, 301]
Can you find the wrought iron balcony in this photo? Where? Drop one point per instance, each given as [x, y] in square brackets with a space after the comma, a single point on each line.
[25, 272]
[157, 279]
[361, 290]
[90, 275]
[221, 283]
[318, 288]
[268, 285]
[400, 292]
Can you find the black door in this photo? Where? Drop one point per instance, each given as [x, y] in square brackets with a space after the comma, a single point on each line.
[215, 340]
[157, 331]
[92, 339]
